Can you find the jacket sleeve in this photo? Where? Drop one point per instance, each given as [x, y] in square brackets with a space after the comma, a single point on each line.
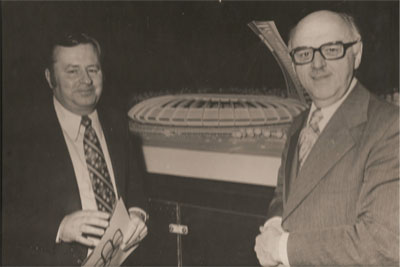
[276, 204]
[135, 194]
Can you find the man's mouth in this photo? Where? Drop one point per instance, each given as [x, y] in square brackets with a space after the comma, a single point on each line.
[318, 77]
[86, 91]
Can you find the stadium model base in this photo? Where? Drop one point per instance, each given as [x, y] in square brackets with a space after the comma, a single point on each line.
[235, 138]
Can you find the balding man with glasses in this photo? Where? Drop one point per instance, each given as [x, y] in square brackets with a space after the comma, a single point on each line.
[337, 198]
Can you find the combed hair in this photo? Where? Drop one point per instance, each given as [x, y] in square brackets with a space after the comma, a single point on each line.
[71, 40]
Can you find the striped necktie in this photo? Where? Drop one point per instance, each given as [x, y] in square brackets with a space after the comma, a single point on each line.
[97, 167]
[309, 136]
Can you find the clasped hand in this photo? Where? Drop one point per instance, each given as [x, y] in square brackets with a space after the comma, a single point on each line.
[81, 226]
[267, 246]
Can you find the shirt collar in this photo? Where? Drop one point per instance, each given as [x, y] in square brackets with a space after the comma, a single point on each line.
[327, 112]
[71, 122]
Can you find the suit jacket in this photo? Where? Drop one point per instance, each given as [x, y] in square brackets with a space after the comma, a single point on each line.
[342, 207]
[40, 188]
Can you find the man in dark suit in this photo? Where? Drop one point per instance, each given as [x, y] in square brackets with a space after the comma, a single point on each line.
[68, 164]
[337, 198]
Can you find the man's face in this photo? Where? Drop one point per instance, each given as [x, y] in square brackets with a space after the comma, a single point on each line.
[326, 80]
[77, 78]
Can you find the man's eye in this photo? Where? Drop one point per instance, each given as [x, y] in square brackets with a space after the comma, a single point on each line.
[332, 50]
[73, 71]
[303, 54]
[93, 71]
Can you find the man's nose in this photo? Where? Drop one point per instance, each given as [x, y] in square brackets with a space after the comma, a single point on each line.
[318, 61]
[86, 78]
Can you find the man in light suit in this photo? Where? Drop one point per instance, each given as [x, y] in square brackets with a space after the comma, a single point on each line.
[67, 163]
[337, 198]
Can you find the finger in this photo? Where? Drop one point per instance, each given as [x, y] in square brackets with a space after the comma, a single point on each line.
[258, 239]
[133, 247]
[88, 229]
[127, 236]
[257, 246]
[141, 236]
[143, 233]
[263, 259]
[135, 241]
[136, 227]
[260, 254]
[263, 256]
[85, 241]
[100, 214]
[260, 245]
[136, 235]
[95, 221]
[95, 242]
[263, 242]
[273, 229]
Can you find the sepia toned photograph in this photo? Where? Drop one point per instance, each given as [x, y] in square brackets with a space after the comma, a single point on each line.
[200, 133]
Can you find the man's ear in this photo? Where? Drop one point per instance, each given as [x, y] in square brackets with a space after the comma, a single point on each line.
[358, 48]
[49, 78]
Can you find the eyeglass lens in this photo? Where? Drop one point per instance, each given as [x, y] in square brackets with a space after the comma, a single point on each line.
[328, 51]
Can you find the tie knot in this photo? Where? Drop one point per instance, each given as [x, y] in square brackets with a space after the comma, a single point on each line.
[86, 121]
[316, 117]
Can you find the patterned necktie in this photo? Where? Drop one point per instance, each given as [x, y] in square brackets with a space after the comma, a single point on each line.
[98, 172]
[309, 136]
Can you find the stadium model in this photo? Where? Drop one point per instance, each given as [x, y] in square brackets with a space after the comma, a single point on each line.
[234, 138]
[215, 122]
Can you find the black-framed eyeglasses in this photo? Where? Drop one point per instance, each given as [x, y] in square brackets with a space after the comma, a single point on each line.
[109, 249]
[329, 51]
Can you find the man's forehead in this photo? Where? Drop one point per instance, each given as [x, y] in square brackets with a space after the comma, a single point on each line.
[79, 53]
[320, 27]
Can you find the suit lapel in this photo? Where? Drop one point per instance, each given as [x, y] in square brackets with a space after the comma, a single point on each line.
[61, 170]
[338, 137]
[112, 134]
[293, 136]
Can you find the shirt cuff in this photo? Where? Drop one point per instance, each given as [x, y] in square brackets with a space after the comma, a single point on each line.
[139, 212]
[283, 248]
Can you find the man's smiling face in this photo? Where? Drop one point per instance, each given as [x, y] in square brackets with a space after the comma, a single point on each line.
[326, 80]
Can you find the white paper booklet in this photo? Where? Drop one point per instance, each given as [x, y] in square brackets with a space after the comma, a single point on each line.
[108, 251]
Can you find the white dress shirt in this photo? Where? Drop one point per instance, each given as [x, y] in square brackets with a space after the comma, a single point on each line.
[73, 132]
[327, 113]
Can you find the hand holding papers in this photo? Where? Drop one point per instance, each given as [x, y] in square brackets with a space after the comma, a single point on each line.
[109, 252]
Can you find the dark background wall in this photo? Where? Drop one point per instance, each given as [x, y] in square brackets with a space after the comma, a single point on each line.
[159, 46]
